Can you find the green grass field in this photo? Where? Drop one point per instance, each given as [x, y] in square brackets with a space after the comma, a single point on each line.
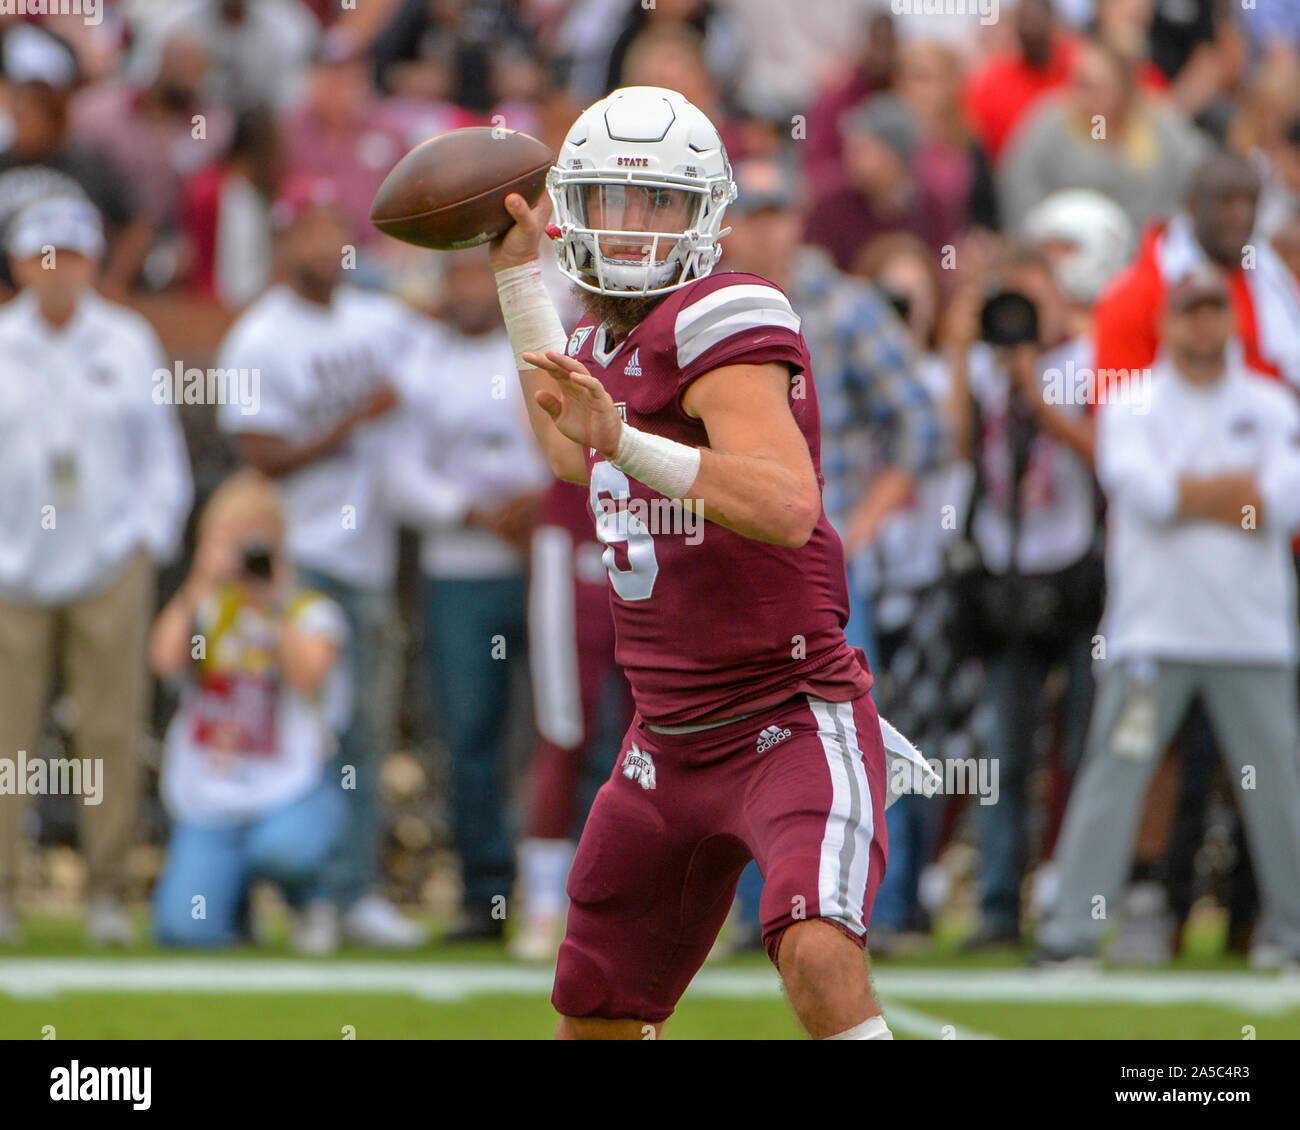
[54, 982]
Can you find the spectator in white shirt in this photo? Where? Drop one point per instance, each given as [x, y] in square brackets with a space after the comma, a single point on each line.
[473, 431]
[1204, 492]
[327, 354]
[96, 491]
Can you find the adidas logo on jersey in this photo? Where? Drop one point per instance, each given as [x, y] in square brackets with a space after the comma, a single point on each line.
[633, 366]
[771, 735]
[639, 767]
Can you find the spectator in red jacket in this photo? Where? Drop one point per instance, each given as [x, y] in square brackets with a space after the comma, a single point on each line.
[1217, 225]
[999, 93]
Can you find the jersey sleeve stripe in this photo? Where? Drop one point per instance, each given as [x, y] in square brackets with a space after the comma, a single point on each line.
[698, 315]
[745, 318]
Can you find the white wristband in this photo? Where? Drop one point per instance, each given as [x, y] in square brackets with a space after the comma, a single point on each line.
[662, 464]
[531, 321]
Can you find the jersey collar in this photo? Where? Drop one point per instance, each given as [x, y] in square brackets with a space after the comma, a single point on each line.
[599, 343]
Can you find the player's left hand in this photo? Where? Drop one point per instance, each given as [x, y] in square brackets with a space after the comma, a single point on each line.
[581, 408]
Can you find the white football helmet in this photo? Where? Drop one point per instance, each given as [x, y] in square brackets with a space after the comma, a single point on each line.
[1098, 230]
[640, 188]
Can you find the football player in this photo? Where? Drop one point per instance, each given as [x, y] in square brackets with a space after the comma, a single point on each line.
[685, 400]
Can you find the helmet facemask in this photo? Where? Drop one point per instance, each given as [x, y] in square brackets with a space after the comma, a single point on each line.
[637, 234]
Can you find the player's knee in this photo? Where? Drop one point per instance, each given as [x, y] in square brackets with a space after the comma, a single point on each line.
[816, 951]
[784, 904]
[597, 1002]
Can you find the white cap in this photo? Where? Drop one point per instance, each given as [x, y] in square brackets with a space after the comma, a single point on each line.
[33, 55]
[66, 223]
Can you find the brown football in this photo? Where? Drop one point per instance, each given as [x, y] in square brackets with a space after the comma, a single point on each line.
[449, 192]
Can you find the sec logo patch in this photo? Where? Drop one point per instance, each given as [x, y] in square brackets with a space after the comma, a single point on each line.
[578, 337]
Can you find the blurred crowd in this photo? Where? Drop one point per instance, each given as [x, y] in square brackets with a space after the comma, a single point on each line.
[273, 522]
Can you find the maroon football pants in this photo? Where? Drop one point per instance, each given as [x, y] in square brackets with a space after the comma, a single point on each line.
[799, 787]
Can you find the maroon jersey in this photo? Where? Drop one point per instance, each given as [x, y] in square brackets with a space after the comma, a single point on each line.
[710, 623]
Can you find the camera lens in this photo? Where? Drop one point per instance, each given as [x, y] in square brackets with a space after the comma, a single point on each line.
[257, 562]
[1008, 318]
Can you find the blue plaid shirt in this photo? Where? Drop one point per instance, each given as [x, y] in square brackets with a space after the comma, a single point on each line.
[874, 411]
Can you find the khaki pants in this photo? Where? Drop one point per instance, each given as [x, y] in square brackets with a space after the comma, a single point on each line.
[105, 674]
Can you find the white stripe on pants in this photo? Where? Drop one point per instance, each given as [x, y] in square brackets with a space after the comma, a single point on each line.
[850, 824]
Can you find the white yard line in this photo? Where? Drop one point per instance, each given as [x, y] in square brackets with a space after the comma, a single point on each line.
[1243, 992]
[47, 977]
[912, 1022]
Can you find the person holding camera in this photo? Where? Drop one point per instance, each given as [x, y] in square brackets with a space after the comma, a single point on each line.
[263, 697]
[1027, 570]
[325, 425]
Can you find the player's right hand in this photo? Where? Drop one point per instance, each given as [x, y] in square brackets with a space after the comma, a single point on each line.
[519, 244]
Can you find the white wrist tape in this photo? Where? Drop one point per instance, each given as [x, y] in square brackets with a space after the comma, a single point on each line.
[662, 464]
[531, 321]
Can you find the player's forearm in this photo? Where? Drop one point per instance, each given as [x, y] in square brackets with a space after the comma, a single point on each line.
[756, 497]
[756, 477]
[534, 327]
